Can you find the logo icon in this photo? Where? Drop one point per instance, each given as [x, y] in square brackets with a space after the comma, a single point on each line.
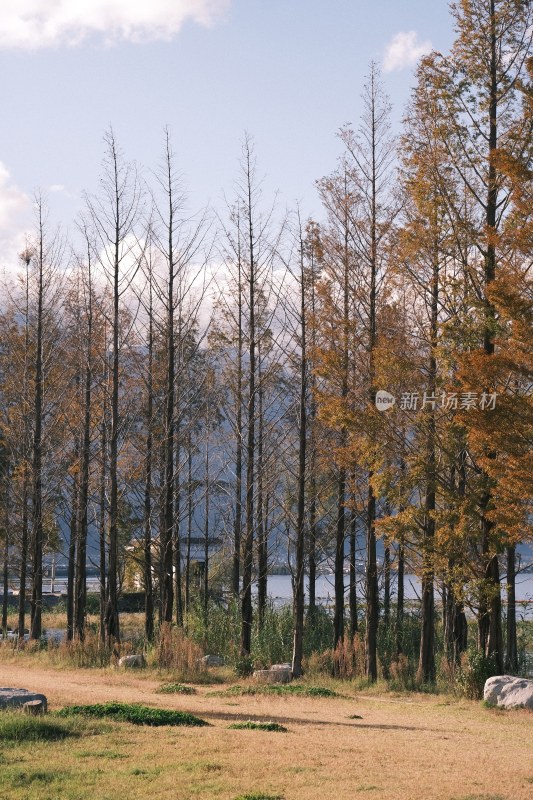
[384, 400]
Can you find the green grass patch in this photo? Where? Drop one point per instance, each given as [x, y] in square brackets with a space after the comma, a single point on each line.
[134, 713]
[111, 754]
[176, 688]
[17, 727]
[33, 777]
[481, 797]
[259, 796]
[298, 689]
[250, 725]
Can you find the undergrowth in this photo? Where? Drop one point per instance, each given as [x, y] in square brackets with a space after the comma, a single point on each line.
[250, 725]
[133, 712]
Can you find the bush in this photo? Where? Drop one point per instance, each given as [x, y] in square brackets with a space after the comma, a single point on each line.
[15, 726]
[402, 675]
[474, 670]
[135, 713]
[176, 688]
[250, 725]
[174, 650]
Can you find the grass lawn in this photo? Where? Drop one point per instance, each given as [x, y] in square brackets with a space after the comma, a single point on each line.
[422, 747]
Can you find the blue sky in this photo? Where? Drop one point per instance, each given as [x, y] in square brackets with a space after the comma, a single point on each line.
[288, 71]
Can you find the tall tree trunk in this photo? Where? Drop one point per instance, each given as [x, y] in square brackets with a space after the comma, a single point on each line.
[189, 522]
[237, 530]
[511, 656]
[262, 534]
[493, 630]
[37, 489]
[72, 548]
[400, 598]
[338, 614]
[386, 586]
[147, 509]
[246, 621]
[23, 553]
[426, 663]
[298, 601]
[102, 524]
[5, 575]
[205, 592]
[354, 623]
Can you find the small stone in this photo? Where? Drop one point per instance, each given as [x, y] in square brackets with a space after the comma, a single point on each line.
[34, 707]
[212, 661]
[132, 661]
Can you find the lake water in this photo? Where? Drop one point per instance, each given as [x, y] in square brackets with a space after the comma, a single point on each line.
[280, 590]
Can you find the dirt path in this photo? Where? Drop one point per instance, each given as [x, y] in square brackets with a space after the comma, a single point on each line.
[421, 747]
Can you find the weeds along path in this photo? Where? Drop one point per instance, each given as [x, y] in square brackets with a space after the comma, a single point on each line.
[393, 747]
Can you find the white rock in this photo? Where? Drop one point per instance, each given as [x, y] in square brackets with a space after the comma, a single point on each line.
[15, 698]
[507, 691]
[132, 661]
[285, 667]
[212, 661]
[273, 675]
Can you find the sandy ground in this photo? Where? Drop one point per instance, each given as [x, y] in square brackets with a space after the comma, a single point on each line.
[416, 746]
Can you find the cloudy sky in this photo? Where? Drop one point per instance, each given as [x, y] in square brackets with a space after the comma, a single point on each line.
[288, 71]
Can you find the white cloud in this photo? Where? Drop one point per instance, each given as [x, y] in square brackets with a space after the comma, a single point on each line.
[33, 24]
[404, 50]
[15, 215]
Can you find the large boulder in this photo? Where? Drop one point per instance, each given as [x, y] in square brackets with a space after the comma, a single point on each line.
[132, 661]
[211, 661]
[506, 691]
[273, 675]
[17, 698]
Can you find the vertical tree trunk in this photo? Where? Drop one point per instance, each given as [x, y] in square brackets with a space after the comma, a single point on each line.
[37, 489]
[189, 522]
[511, 656]
[386, 586]
[338, 614]
[354, 624]
[102, 523]
[72, 547]
[237, 531]
[426, 663]
[299, 597]
[262, 534]
[205, 591]
[246, 621]
[400, 599]
[5, 575]
[23, 554]
[147, 510]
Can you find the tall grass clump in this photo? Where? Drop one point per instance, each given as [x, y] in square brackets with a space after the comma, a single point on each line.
[174, 650]
[17, 727]
[475, 668]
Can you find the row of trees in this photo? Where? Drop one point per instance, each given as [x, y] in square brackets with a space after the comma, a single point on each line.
[167, 374]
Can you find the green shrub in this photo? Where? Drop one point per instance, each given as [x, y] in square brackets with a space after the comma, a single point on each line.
[15, 726]
[474, 670]
[176, 688]
[250, 725]
[135, 713]
[283, 689]
[244, 667]
[259, 796]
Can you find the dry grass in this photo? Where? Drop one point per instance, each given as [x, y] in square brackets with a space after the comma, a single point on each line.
[418, 746]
